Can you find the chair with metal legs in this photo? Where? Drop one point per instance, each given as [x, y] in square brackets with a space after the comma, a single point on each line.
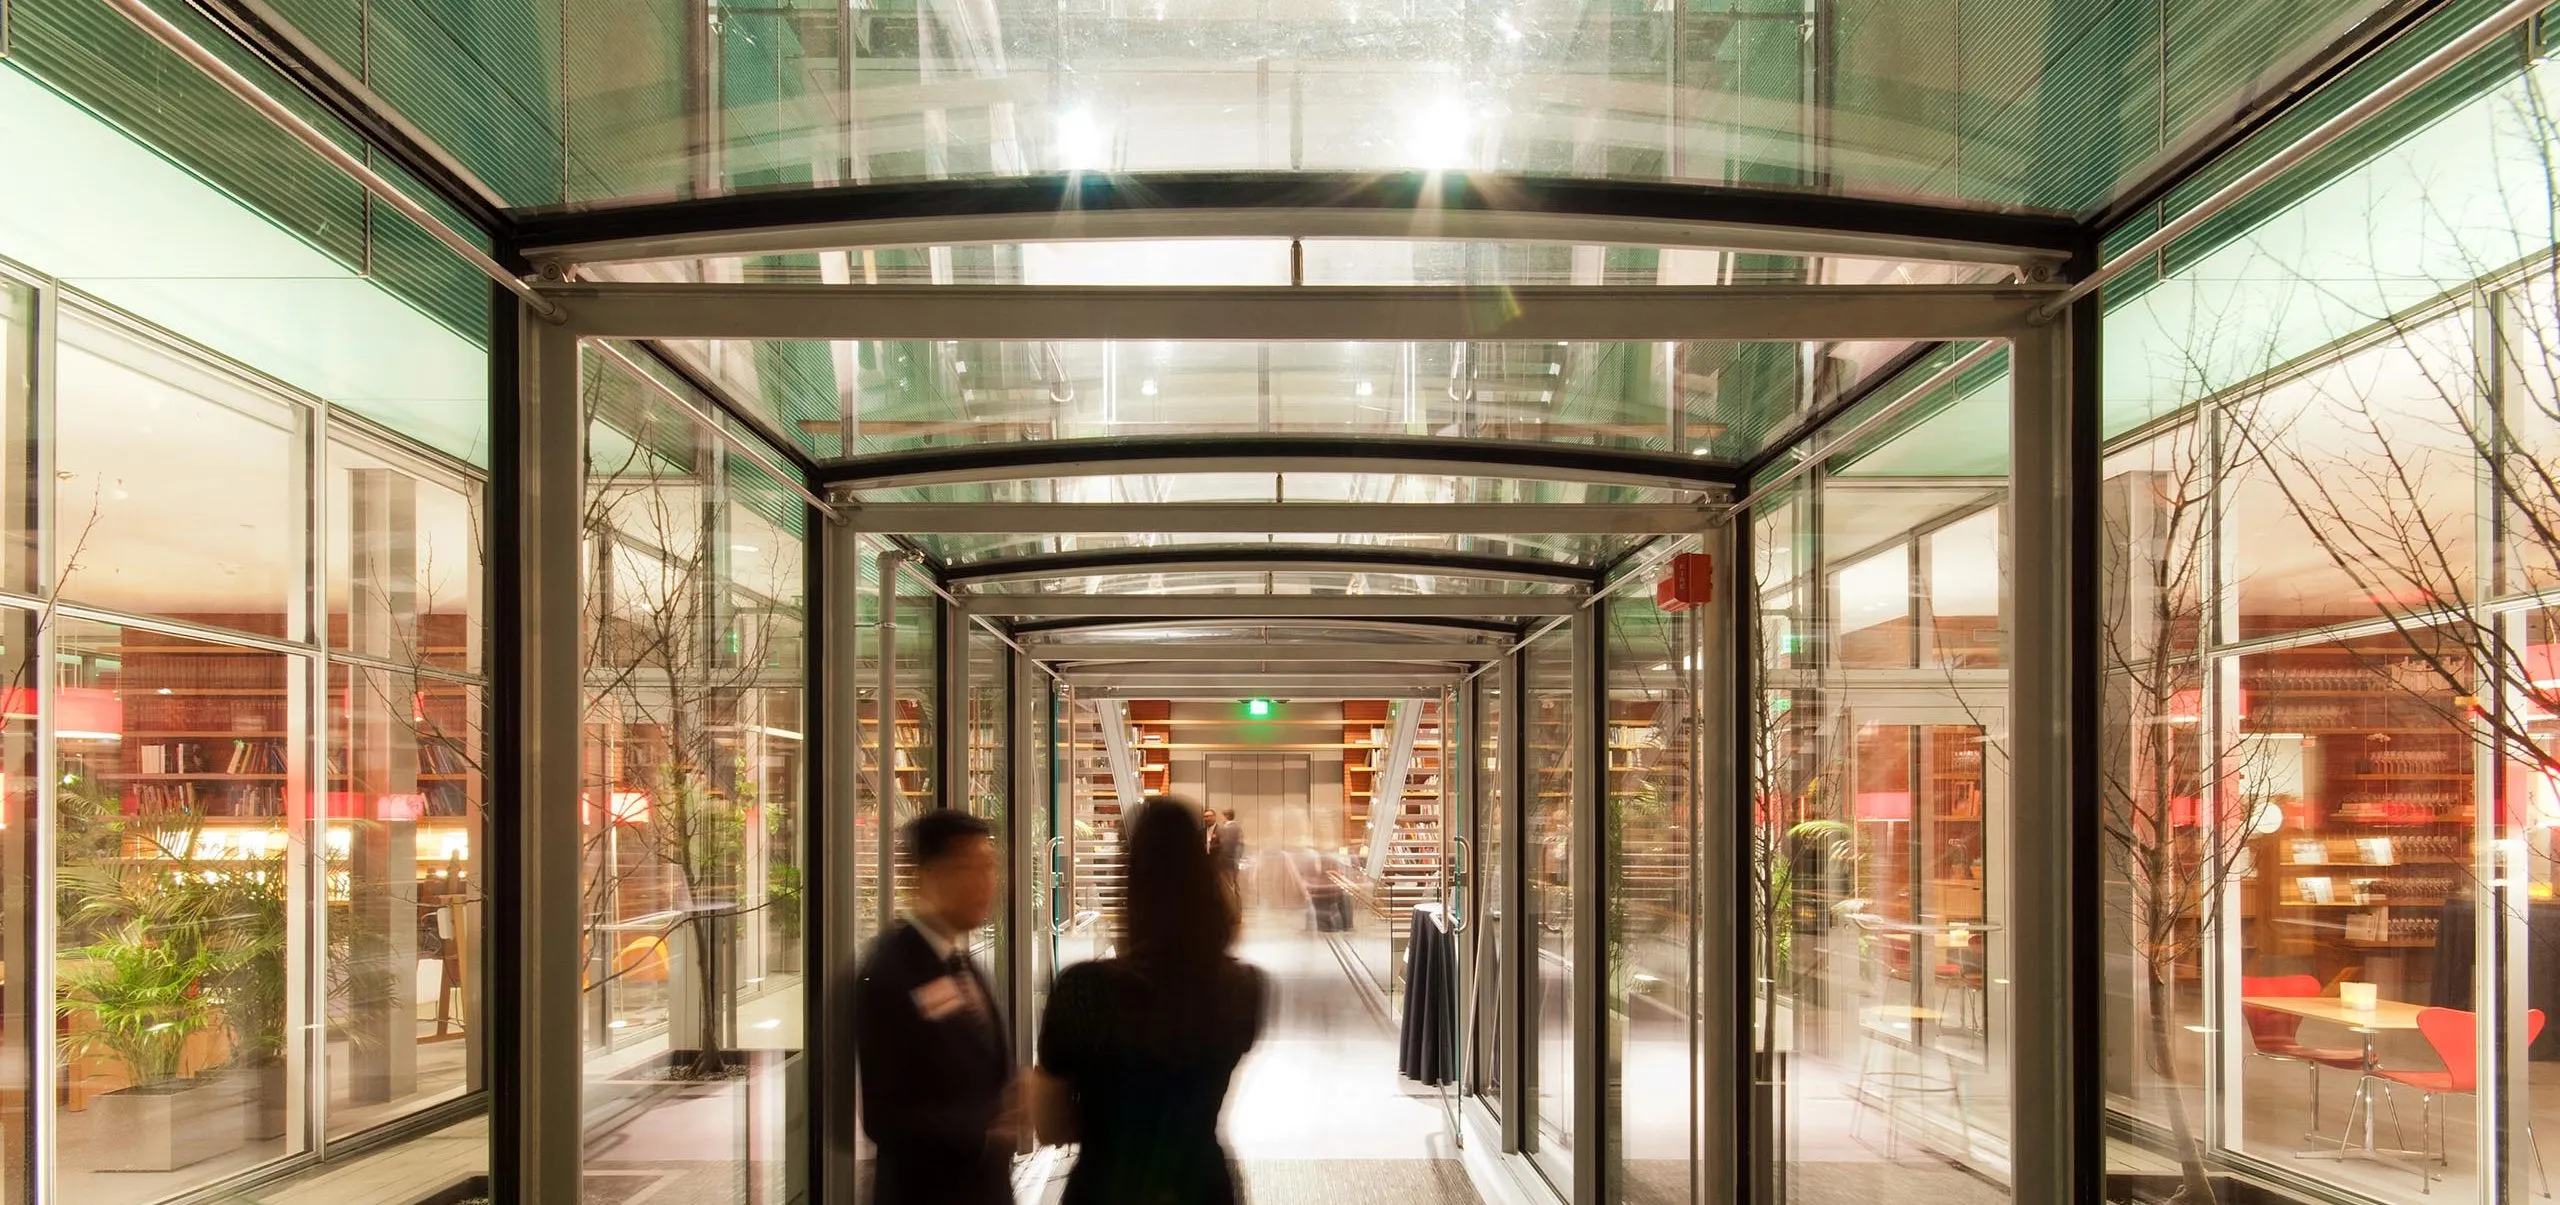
[2454, 1035]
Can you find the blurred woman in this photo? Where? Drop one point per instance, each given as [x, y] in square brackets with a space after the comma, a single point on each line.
[1136, 1051]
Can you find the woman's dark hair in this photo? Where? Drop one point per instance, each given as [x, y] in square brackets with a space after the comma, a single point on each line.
[1176, 913]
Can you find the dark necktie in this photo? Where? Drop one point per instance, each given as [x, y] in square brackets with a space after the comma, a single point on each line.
[965, 978]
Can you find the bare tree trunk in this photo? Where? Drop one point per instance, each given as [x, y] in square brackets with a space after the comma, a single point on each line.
[2195, 1188]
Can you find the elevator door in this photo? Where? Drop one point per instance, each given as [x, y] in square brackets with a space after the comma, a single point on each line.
[1270, 795]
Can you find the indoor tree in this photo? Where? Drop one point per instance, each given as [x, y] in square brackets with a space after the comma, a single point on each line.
[678, 653]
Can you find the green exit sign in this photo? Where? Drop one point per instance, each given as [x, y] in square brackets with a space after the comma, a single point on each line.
[1259, 709]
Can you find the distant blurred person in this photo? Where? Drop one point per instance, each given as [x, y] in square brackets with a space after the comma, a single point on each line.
[1229, 850]
[937, 1071]
[1136, 1052]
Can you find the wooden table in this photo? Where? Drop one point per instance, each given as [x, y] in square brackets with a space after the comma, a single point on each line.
[2385, 1016]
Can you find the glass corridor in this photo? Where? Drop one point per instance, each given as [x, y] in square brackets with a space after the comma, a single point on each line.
[504, 507]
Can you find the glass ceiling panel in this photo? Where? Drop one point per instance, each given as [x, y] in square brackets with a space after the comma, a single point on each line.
[2039, 104]
[1276, 581]
[1277, 487]
[1724, 401]
[1570, 549]
[1233, 633]
[1228, 262]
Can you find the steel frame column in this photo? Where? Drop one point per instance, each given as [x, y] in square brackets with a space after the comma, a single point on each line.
[1025, 703]
[540, 478]
[1718, 875]
[1519, 947]
[951, 707]
[1591, 891]
[833, 834]
[885, 856]
[2056, 1138]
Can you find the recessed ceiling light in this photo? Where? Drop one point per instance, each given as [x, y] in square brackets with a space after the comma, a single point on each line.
[744, 548]
[1365, 389]
[1147, 387]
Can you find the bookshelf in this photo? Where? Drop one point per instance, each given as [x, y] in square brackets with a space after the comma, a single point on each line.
[2374, 777]
[206, 728]
[1648, 784]
[1412, 823]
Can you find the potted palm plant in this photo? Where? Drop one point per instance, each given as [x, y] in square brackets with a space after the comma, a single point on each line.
[140, 999]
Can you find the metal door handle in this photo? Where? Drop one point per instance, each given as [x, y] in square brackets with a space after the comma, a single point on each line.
[1457, 881]
[1057, 884]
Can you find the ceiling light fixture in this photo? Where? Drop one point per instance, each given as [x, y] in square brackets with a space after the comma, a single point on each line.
[1147, 387]
[1438, 135]
[1083, 145]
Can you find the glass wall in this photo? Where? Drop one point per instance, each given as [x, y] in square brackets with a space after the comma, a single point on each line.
[1553, 726]
[692, 806]
[1652, 817]
[1491, 781]
[1879, 867]
[253, 733]
[2325, 746]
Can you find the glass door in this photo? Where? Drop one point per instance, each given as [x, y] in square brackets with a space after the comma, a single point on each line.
[1902, 1055]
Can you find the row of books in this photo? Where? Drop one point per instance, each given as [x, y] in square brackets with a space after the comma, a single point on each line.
[217, 799]
[213, 757]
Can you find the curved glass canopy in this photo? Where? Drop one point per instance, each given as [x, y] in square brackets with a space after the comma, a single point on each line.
[1722, 401]
[2036, 105]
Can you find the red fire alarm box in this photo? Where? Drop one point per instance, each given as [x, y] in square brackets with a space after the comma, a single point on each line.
[1692, 583]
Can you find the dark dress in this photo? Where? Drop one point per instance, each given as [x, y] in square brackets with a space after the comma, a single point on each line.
[1145, 1053]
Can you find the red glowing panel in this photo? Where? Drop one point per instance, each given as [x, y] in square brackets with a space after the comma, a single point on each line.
[1883, 805]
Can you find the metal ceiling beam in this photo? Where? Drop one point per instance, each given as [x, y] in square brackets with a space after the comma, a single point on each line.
[1256, 606]
[1354, 313]
[1510, 459]
[1267, 558]
[1295, 204]
[1289, 518]
[1363, 688]
[1436, 628]
[1355, 681]
[1255, 654]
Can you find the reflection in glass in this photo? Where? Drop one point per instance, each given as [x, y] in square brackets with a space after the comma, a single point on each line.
[1492, 776]
[690, 807]
[183, 846]
[405, 814]
[1874, 601]
[405, 542]
[1554, 725]
[2365, 462]
[143, 440]
[1652, 911]
[2357, 752]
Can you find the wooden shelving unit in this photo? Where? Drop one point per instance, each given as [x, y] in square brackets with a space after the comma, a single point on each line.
[2382, 830]
[1648, 783]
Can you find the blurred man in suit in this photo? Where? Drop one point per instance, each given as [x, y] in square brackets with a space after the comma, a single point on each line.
[937, 1071]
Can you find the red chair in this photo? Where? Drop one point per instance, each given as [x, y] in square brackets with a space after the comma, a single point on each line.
[2276, 1035]
[2453, 1034]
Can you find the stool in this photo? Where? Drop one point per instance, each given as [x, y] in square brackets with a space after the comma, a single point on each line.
[1898, 1030]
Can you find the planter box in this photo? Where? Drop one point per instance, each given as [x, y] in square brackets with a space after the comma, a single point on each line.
[164, 1127]
[263, 1090]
